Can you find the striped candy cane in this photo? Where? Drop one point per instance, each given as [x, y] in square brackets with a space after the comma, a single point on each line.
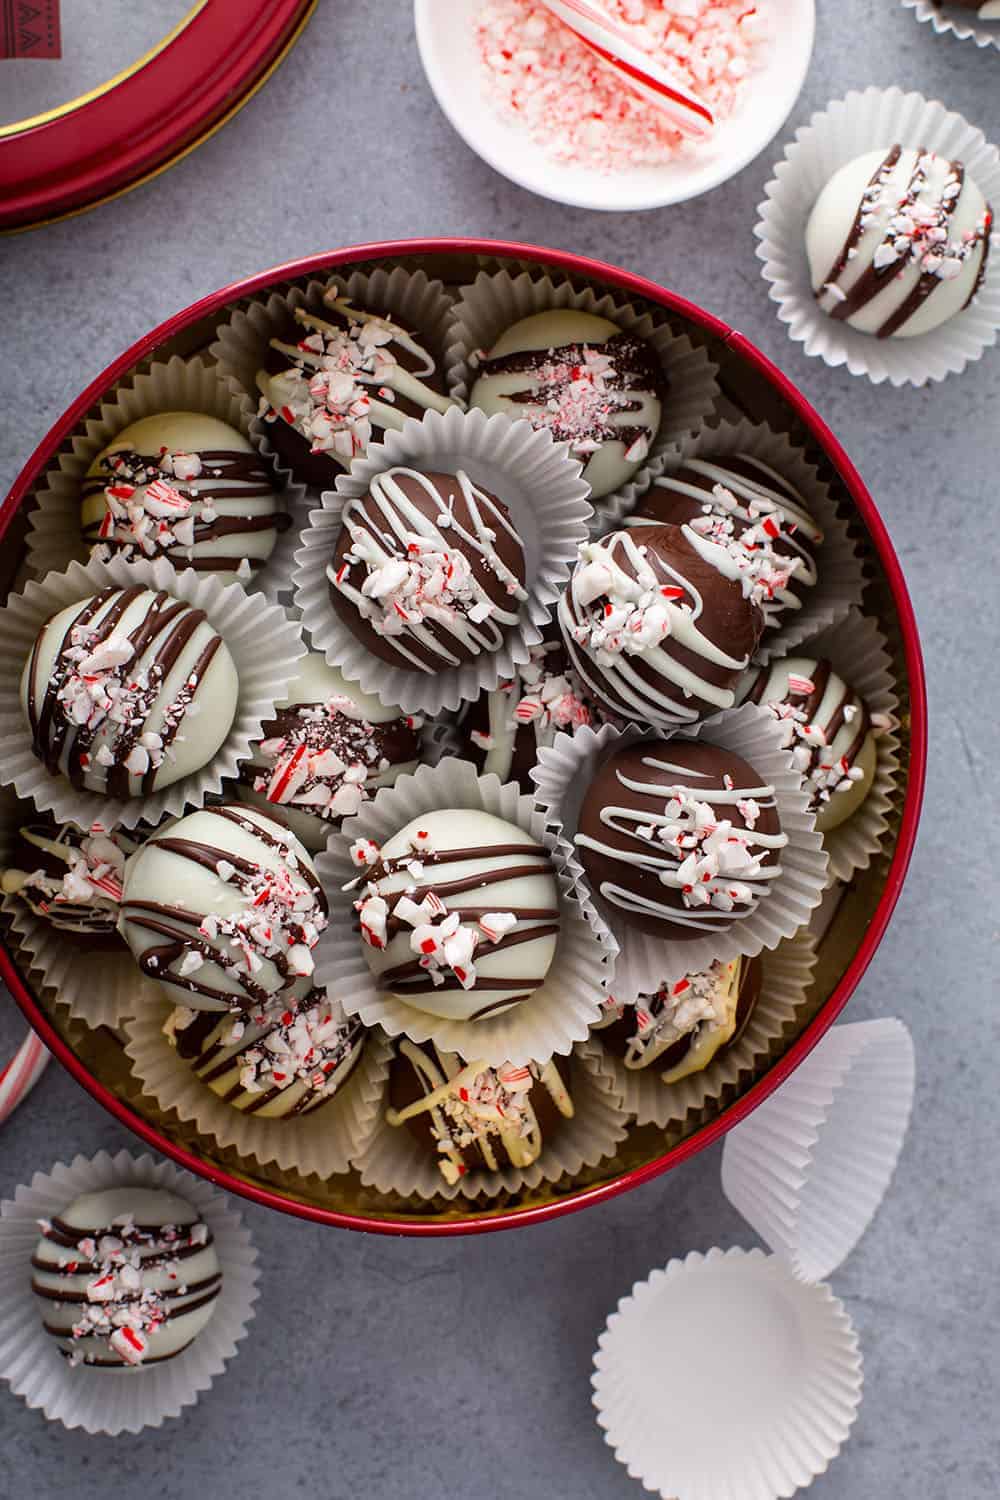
[613, 47]
[22, 1073]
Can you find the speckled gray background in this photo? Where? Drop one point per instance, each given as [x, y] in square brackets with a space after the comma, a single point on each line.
[395, 1369]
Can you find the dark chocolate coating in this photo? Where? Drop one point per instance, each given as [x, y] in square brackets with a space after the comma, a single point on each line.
[617, 1036]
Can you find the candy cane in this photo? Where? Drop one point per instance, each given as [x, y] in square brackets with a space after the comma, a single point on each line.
[22, 1073]
[617, 51]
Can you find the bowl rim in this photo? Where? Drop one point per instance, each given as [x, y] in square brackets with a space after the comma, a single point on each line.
[627, 281]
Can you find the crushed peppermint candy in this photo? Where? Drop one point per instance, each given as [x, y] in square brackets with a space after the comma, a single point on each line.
[280, 918]
[677, 1009]
[87, 896]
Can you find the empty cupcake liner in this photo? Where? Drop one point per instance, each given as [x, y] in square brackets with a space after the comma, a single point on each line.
[395, 1162]
[841, 580]
[263, 643]
[241, 343]
[722, 1377]
[110, 1401]
[810, 1167]
[785, 980]
[558, 1014]
[869, 121]
[541, 487]
[963, 24]
[321, 1144]
[54, 539]
[496, 300]
[566, 770]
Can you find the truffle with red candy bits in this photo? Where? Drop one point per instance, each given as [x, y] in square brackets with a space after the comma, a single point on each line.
[70, 879]
[125, 1278]
[660, 622]
[128, 691]
[328, 749]
[458, 913]
[338, 380]
[224, 908]
[187, 487]
[428, 571]
[586, 381]
[473, 1117]
[679, 837]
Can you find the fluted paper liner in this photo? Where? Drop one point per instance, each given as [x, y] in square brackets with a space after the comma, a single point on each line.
[396, 1162]
[840, 582]
[54, 539]
[565, 771]
[264, 644]
[493, 302]
[547, 500]
[722, 1377]
[963, 24]
[241, 344]
[558, 1014]
[110, 1401]
[810, 1167]
[870, 121]
[320, 1144]
[785, 979]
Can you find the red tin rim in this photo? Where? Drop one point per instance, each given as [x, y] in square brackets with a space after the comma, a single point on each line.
[76, 157]
[820, 1024]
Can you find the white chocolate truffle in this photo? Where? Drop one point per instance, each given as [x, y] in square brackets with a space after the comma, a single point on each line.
[186, 487]
[898, 242]
[126, 1278]
[459, 913]
[328, 749]
[224, 908]
[587, 381]
[128, 691]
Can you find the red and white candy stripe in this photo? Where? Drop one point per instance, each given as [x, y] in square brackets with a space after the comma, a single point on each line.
[21, 1074]
[615, 49]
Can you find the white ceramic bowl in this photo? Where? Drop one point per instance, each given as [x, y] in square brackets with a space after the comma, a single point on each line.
[448, 51]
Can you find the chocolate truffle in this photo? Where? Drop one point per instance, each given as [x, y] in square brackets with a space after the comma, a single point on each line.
[503, 730]
[830, 729]
[186, 487]
[743, 503]
[428, 570]
[898, 242]
[279, 1061]
[71, 879]
[680, 838]
[125, 1278]
[588, 382]
[327, 750]
[688, 1022]
[655, 627]
[426, 944]
[338, 381]
[473, 1117]
[108, 686]
[224, 908]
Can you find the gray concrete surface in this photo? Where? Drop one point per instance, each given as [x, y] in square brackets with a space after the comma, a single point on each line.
[396, 1369]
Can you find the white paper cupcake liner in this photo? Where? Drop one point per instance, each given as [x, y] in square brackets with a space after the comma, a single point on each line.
[785, 979]
[109, 1401]
[857, 650]
[321, 1144]
[558, 1014]
[54, 539]
[263, 643]
[963, 24]
[870, 121]
[241, 343]
[566, 770]
[722, 1377]
[810, 1167]
[541, 487]
[395, 1162]
[496, 300]
[841, 579]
